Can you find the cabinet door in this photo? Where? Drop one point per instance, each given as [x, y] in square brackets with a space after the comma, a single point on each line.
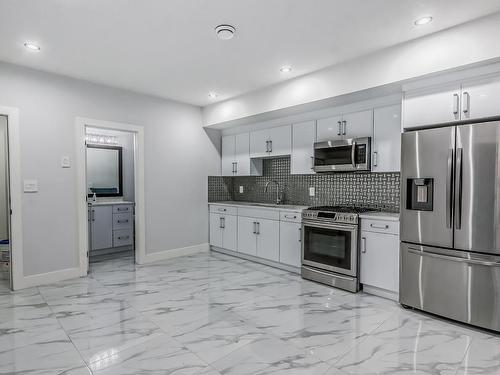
[290, 243]
[386, 146]
[480, 98]
[329, 129]
[102, 227]
[281, 140]
[258, 143]
[357, 124]
[228, 148]
[436, 105]
[380, 260]
[230, 232]
[215, 230]
[247, 241]
[303, 138]
[242, 154]
[268, 239]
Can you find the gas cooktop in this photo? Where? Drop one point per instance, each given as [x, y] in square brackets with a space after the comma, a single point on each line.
[348, 209]
[334, 214]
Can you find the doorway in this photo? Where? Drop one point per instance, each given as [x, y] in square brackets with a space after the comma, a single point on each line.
[110, 169]
[5, 251]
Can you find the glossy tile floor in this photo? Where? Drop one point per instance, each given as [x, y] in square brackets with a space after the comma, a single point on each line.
[214, 314]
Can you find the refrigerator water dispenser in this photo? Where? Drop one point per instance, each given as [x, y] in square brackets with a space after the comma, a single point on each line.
[420, 194]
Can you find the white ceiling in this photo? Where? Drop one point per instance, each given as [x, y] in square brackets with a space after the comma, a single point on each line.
[168, 48]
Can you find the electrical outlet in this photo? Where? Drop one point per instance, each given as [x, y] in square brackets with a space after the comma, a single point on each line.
[312, 191]
[241, 189]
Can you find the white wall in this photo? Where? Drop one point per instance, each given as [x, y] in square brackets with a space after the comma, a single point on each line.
[179, 155]
[465, 44]
[4, 225]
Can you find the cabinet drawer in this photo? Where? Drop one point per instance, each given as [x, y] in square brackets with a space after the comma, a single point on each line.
[295, 216]
[123, 237]
[221, 209]
[259, 213]
[380, 226]
[122, 221]
[121, 208]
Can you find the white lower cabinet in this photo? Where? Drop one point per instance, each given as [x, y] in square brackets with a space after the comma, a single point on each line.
[223, 231]
[247, 241]
[215, 230]
[268, 239]
[380, 259]
[290, 243]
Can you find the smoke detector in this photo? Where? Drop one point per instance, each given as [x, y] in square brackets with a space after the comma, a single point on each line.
[225, 32]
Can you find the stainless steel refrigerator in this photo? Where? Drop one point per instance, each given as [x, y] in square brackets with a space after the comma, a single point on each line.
[450, 222]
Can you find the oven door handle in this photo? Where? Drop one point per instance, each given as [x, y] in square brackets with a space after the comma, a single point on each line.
[343, 227]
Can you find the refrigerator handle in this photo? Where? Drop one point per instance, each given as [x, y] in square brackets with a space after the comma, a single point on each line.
[449, 189]
[458, 184]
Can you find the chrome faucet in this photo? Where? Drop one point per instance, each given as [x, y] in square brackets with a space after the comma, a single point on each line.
[278, 194]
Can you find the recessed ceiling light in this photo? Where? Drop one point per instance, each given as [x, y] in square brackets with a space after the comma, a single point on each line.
[225, 32]
[286, 69]
[212, 94]
[32, 46]
[423, 21]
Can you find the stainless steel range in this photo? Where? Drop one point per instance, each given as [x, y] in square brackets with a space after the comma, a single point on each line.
[330, 246]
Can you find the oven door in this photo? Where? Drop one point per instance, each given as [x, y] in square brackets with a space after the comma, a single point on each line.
[331, 247]
[341, 156]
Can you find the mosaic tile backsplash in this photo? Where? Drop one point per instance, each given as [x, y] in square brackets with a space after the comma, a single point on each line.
[372, 190]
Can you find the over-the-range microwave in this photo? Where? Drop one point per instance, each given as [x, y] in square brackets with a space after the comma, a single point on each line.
[342, 155]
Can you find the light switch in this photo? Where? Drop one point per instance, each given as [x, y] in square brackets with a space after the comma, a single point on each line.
[241, 189]
[312, 191]
[30, 186]
[66, 162]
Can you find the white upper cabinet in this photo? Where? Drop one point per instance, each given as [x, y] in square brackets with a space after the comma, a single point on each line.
[346, 126]
[303, 138]
[329, 129]
[236, 156]
[433, 105]
[271, 142]
[480, 98]
[386, 142]
[357, 124]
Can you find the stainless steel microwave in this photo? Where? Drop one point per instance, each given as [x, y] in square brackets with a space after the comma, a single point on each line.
[342, 155]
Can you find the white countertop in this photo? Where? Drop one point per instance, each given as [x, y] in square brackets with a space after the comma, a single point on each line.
[108, 203]
[266, 206]
[376, 215]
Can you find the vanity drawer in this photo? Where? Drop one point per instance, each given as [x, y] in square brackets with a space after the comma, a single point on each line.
[291, 216]
[122, 221]
[121, 208]
[123, 237]
[380, 226]
[221, 209]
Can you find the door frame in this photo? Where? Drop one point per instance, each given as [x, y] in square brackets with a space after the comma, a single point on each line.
[15, 194]
[80, 163]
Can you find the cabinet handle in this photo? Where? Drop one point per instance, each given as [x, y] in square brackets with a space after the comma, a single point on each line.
[290, 217]
[236, 167]
[339, 126]
[270, 146]
[220, 222]
[267, 146]
[123, 237]
[221, 209]
[223, 220]
[456, 100]
[363, 244]
[344, 126]
[466, 102]
[312, 162]
[258, 228]
[254, 227]
[385, 226]
[122, 221]
[93, 215]
[122, 209]
[300, 234]
[375, 158]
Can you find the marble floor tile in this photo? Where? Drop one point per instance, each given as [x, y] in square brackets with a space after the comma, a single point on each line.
[213, 314]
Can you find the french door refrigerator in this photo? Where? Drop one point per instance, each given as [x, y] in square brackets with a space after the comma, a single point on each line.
[450, 222]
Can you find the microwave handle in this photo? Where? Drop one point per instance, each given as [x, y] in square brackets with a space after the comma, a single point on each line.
[353, 154]
[312, 162]
[344, 127]
[339, 127]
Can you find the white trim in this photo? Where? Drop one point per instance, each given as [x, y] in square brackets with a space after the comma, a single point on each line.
[140, 237]
[173, 253]
[51, 277]
[384, 293]
[15, 191]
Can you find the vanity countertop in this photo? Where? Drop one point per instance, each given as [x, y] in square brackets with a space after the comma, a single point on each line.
[108, 203]
[269, 206]
[377, 215]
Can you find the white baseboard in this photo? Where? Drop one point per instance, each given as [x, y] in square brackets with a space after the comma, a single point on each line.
[48, 278]
[167, 254]
[381, 292]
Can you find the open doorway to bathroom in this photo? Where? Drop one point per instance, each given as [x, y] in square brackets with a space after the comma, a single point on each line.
[110, 187]
[5, 253]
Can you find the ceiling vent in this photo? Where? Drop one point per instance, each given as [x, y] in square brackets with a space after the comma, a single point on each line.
[225, 32]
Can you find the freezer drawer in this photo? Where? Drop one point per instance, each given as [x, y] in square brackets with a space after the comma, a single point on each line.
[454, 284]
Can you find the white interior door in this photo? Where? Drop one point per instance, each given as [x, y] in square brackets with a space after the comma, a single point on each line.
[4, 181]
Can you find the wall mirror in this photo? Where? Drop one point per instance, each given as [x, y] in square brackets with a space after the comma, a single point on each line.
[104, 171]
